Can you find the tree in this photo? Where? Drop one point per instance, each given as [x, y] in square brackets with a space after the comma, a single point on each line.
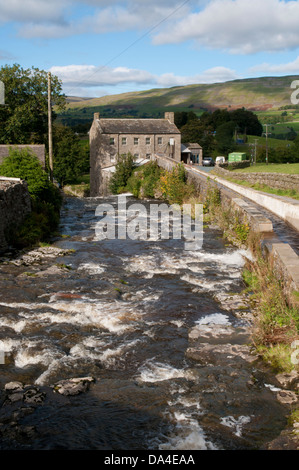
[219, 117]
[196, 131]
[23, 164]
[24, 119]
[123, 170]
[224, 137]
[183, 117]
[247, 122]
[193, 131]
[71, 159]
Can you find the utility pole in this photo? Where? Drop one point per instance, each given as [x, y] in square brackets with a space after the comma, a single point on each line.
[255, 142]
[50, 128]
[266, 143]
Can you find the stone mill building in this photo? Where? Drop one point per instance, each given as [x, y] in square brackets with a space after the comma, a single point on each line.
[143, 138]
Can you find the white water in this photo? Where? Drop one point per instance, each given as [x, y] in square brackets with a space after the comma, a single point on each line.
[134, 336]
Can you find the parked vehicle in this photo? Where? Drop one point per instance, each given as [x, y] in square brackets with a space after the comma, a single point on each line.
[208, 161]
[220, 160]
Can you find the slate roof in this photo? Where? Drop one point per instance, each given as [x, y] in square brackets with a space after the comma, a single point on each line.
[137, 126]
[186, 148]
[192, 146]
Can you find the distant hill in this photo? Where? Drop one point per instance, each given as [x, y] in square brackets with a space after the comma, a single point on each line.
[75, 99]
[255, 94]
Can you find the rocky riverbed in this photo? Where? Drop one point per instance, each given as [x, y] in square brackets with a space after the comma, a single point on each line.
[134, 345]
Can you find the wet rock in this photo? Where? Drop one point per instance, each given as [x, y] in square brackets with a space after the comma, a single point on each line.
[36, 256]
[34, 396]
[12, 387]
[16, 391]
[14, 397]
[286, 441]
[221, 332]
[290, 380]
[214, 354]
[67, 295]
[287, 397]
[73, 386]
[239, 304]
[206, 331]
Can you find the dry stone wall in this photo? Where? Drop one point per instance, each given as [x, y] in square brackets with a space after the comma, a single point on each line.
[274, 180]
[15, 204]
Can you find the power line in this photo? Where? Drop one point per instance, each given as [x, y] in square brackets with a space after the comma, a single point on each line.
[132, 44]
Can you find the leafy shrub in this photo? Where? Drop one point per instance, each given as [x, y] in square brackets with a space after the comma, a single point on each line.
[123, 170]
[173, 185]
[45, 197]
[213, 196]
[134, 184]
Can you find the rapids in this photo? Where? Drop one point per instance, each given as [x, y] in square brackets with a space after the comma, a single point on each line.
[165, 332]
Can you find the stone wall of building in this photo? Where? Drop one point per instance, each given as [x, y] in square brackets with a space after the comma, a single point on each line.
[15, 204]
[142, 138]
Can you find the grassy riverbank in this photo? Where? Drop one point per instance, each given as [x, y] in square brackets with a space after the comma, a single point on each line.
[286, 168]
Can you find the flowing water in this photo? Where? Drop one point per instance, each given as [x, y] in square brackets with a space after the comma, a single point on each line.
[154, 324]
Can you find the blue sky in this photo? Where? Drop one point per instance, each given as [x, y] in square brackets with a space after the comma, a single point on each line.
[100, 47]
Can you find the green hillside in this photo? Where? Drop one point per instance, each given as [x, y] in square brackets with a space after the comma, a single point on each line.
[257, 94]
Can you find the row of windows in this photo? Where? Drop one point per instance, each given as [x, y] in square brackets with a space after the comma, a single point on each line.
[136, 140]
[136, 157]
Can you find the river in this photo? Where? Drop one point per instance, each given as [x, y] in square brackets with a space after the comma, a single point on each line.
[164, 332]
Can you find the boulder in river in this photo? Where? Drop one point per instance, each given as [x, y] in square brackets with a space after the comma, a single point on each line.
[73, 386]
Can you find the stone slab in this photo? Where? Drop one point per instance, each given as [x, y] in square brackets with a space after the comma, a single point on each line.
[259, 222]
[289, 260]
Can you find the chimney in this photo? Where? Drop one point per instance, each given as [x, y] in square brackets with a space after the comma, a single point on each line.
[170, 117]
[96, 116]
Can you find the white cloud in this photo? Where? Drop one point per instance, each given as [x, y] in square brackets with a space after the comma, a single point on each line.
[92, 76]
[55, 19]
[80, 79]
[288, 68]
[240, 26]
[213, 75]
[32, 10]
[58, 18]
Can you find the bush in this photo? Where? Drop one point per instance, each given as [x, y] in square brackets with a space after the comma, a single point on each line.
[173, 185]
[123, 170]
[45, 198]
[235, 165]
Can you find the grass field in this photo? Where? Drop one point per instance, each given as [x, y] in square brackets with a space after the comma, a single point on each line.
[272, 143]
[287, 168]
